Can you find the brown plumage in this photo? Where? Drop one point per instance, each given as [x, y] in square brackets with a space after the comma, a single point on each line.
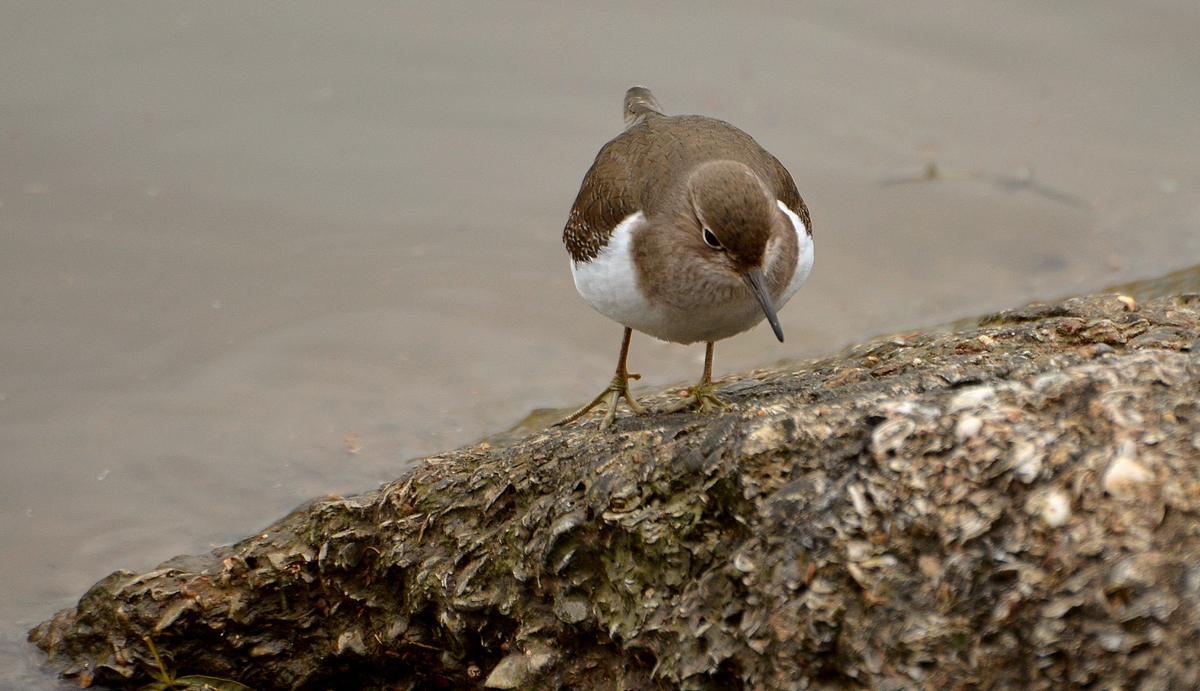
[644, 167]
[685, 229]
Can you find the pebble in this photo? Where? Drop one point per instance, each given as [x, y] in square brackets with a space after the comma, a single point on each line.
[1056, 508]
[510, 673]
[971, 398]
[1124, 474]
[967, 427]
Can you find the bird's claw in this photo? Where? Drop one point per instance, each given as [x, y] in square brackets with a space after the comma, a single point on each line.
[617, 389]
[703, 399]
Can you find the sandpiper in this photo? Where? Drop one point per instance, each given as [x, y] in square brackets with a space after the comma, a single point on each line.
[686, 230]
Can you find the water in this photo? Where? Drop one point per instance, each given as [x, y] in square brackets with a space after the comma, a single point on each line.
[250, 255]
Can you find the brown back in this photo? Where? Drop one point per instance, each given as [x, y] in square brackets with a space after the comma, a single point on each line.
[645, 168]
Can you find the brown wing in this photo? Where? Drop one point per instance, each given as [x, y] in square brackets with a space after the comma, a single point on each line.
[643, 169]
[787, 193]
[602, 203]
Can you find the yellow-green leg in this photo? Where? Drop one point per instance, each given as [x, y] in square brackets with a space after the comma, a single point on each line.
[704, 395]
[618, 389]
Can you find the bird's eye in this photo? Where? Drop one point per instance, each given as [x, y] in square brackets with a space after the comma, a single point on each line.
[711, 240]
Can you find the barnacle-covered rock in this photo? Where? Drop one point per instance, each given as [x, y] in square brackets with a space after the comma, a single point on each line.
[1013, 506]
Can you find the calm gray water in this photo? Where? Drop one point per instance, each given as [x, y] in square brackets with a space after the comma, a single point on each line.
[251, 255]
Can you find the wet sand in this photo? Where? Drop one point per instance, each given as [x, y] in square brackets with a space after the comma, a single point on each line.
[250, 257]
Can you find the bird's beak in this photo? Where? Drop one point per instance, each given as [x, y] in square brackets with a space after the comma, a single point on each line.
[758, 285]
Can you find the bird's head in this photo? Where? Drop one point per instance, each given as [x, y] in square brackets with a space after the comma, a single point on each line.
[736, 216]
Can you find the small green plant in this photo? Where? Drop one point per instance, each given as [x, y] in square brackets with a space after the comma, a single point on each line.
[167, 681]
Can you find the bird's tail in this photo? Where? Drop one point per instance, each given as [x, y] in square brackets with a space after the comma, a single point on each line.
[639, 103]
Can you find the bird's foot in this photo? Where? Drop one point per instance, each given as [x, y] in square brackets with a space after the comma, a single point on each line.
[617, 389]
[702, 399]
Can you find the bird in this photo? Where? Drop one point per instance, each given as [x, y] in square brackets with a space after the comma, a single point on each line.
[686, 230]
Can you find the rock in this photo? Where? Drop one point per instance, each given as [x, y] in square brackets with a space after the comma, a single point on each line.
[510, 673]
[1007, 507]
[352, 642]
[1125, 474]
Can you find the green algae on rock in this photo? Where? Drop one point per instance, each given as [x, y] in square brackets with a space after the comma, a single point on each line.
[1012, 506]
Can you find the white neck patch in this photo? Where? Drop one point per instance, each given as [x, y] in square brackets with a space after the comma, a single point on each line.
[804, 259]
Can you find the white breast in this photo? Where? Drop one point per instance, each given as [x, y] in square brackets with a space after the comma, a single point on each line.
[609, 281]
